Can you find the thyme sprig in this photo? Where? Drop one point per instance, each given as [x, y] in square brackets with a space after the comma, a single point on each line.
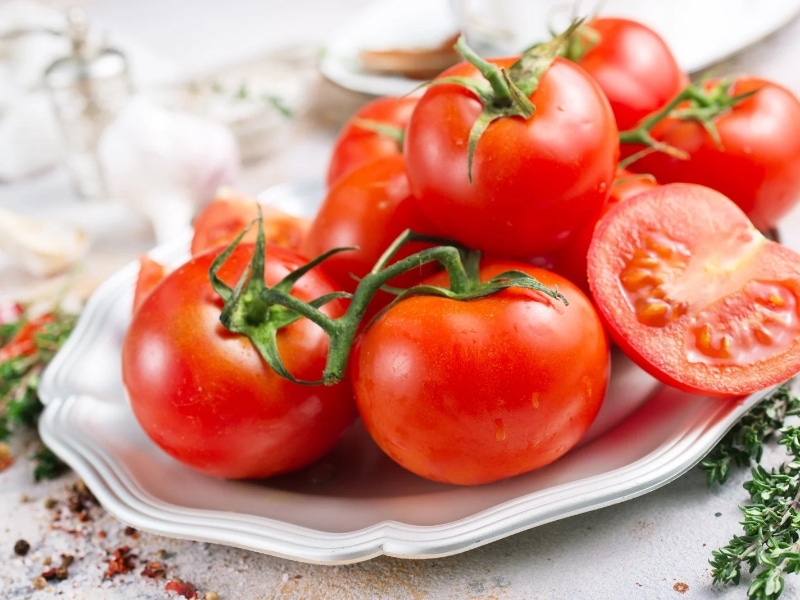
[743, 445]
[21, 366]
[769, 545]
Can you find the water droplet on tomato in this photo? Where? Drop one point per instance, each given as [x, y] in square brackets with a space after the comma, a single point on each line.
[500, 430]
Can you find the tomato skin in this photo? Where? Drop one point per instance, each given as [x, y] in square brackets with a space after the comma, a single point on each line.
[698, 298]
[634, 67]
[756, 162]
[535, 182]
[151, 273]
[356, 145]
[229, 213]
[207, 398]
[470, 392]
[570, 260]
[367, 208]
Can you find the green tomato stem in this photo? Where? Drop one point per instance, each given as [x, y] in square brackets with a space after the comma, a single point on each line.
[704, 106]
[259, 311]
[501, 93]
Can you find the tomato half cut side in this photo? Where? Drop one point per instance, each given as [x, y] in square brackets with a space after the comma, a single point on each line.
[695, 294]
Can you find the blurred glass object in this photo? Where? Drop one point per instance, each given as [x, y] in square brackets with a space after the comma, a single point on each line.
[88, 88]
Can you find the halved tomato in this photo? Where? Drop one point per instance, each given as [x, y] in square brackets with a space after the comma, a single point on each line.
[151, 273]
[695, 294]
[222, 219]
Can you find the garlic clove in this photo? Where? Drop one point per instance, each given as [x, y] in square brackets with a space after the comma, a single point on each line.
[41, 247]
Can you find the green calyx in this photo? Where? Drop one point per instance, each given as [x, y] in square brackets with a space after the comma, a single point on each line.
[505, 92]
[259, 312]
[581, 39]
[694, 103]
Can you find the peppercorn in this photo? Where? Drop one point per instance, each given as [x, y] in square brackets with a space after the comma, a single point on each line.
[21, 547]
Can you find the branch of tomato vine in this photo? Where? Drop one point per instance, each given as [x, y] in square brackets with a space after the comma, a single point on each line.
[743, 445]
[695, 102]
[258, 311]
[769, 545]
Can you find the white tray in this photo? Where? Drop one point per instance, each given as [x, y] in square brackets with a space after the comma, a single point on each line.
[645, 436]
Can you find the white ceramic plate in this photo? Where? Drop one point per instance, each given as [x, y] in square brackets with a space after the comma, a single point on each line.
[700, 32]
[645, 436]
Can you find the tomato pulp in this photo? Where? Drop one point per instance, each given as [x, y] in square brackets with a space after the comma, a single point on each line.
[697, 296]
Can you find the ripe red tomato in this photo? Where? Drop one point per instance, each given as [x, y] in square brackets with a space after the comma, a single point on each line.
[470, 392]
[756, 160]
[229, 213]
[633, 66]
[207, 398]
[359, 143]
[535, 182]
[699, 298]
[367, 208]
[570, 260]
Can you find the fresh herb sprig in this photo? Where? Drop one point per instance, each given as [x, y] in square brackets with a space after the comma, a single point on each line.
[769, 546]
[25, 350]
[743, 445]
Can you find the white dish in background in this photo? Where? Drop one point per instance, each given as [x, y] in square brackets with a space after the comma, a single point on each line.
[700, 32]
[646, 436]
[386, 25]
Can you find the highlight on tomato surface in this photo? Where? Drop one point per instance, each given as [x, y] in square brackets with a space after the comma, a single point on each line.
[697, 297]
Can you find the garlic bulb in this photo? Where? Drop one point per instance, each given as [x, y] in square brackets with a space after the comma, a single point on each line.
[41, 247]
[165, 163]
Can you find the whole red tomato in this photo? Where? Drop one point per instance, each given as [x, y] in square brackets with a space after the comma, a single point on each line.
[535, 181]
[755, 159]
[367, 208]
[207, 398]
[224, 218]
[375, 130]
[632, 64]
[699, 297]
[470, 392]
[570, 260]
